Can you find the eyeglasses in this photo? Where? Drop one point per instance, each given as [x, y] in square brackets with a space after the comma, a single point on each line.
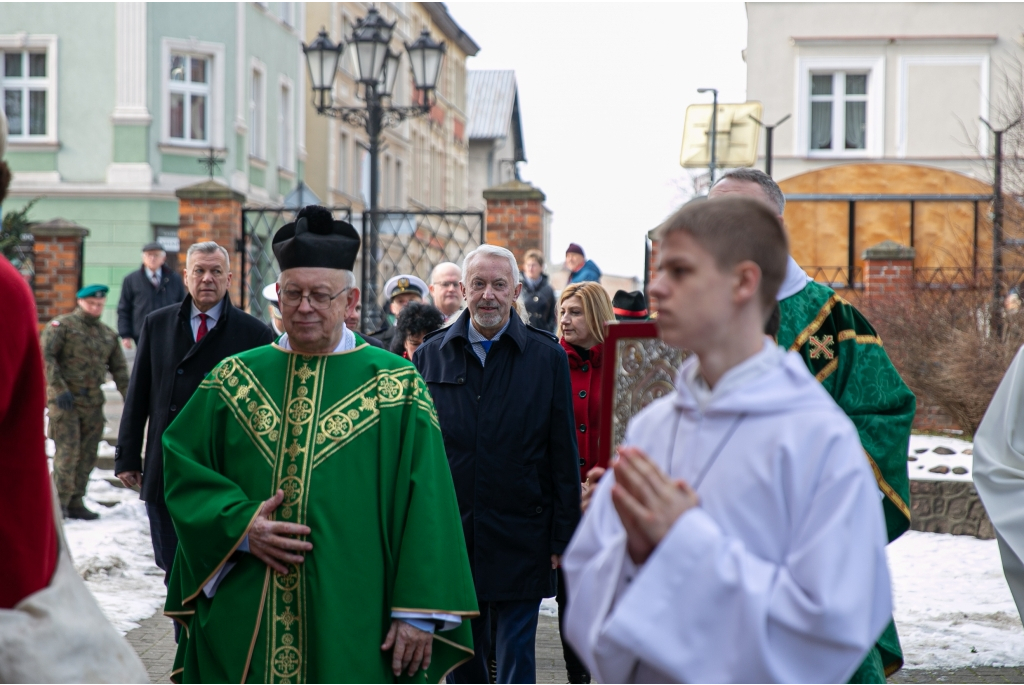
[294, 298]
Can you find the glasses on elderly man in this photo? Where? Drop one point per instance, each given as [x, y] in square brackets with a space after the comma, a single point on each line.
[317, 300]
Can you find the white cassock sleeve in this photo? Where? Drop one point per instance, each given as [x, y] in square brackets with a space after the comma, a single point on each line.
[704, 608]
[999, 472]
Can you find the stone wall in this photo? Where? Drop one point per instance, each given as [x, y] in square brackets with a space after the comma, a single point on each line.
[948, 507]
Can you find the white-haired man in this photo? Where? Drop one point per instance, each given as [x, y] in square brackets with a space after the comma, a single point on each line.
[511, 446]
[445, 290]
[315, 511]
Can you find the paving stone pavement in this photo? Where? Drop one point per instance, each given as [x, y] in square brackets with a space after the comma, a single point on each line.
[153, 640]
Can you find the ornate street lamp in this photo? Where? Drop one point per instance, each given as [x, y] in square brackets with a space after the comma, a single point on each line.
[377, 68]
[322, 56]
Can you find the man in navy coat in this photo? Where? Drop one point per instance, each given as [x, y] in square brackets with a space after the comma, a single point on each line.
[504, 401]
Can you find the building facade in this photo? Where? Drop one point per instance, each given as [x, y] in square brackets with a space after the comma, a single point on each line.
[111, 106]
[424, 161]
[495, 132]
[886, 99]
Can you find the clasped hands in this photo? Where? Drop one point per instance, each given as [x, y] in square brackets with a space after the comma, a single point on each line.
[275, 544]
[648, 501]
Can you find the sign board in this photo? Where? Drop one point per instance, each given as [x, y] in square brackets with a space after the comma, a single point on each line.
[737, 135]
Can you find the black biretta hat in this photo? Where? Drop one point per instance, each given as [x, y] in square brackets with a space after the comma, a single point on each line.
[630, 306]
[315, 239]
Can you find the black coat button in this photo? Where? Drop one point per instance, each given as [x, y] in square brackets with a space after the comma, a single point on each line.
[540, 509]
[583, 393]
[181, 371]
[586, 368]
[174, 407]
[583, 428]
[460, 380]
[583, 462]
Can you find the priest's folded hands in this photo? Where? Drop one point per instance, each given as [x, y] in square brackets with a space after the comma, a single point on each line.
[648, 501]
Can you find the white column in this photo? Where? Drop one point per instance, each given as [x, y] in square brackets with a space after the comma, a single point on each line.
[130, 22]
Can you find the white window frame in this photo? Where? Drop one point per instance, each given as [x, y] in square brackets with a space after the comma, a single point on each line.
[285, 124]
[34, 43]
[902, 84]
[874, 141]
[188, 89]
[257, 112]
[215, 106]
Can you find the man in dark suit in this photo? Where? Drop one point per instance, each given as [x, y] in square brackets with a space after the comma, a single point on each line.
[511, 446]
[151, 287]
[178, 347]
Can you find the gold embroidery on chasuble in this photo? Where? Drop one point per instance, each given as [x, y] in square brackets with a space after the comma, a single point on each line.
[250, 404]
[293, 468]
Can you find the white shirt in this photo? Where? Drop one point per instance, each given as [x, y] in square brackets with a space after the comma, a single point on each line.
[152, 274]
[796, 280]
[778, 575]
[476, 337]
[212, 316]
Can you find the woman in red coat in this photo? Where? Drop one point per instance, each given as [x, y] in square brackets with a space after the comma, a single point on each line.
[583, 310]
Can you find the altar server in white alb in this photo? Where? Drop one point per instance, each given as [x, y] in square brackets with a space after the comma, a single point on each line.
[739, 536]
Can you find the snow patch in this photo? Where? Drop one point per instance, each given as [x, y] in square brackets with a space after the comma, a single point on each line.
[922, 458]
[114, 554]
[549, 607]
[953, 607]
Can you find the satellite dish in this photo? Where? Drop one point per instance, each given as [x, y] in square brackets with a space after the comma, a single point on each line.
[737, 135]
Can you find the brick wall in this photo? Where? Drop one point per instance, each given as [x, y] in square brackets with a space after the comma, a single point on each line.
[57, 255]
[515, 217]
[210, 211]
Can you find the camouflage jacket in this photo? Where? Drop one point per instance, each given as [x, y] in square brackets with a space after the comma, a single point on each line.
[78, 350]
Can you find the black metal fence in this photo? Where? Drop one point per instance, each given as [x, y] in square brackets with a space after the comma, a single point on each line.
[259, 268]
[411, 242]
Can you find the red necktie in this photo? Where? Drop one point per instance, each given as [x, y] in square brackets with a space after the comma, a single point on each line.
[202, 327]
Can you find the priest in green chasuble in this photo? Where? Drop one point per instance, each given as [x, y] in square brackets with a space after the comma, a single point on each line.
[845, 354]
[320, 538]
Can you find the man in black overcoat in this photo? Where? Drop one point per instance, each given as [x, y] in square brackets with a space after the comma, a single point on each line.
[504, 402]
[152, 287]
[179, 346]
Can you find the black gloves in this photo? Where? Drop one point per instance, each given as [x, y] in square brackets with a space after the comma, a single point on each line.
[65, 401]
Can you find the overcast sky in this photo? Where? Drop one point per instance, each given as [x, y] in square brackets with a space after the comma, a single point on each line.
[603, 91]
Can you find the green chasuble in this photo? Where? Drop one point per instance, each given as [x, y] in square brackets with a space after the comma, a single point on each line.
[352, 439]
[846, 355]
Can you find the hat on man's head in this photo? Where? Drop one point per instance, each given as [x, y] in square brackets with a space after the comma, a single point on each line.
[96, 290]
[402, 284]
[149, 247]
[315, 239]
[573, 247]
[630, 306]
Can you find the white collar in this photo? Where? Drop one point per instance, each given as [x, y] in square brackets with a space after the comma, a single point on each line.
[768, 358]
[347, 342]
[795, 281]
[213, 314]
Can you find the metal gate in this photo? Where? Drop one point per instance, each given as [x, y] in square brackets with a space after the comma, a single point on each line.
[259, 267]
[411, 242]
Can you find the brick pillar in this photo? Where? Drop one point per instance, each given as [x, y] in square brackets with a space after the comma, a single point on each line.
[888, 269]
[210, 211]
[515, 217]
[57, 255]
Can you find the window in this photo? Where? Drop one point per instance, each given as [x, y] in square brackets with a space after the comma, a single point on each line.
[286, 12]
[343, 164]
[436, 169]
[839, 103]
[189, 98]
[256, 116]
[364, 176]
[399, 182]
[27, 90]
[386, 182]
[284, 129]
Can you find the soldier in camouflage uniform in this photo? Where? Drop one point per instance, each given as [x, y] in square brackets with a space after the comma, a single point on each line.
[78, 350]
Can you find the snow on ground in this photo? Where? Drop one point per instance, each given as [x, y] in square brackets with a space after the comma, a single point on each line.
[115, 556]
[954, 459]
[953, 607]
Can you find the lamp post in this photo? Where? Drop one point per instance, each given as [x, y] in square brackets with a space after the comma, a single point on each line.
[997, 227]
[768, 144]
[377, 68]
[714, 132]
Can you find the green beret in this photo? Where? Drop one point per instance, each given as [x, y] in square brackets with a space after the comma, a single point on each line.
[93, 291]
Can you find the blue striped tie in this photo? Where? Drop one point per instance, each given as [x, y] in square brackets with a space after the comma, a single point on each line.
[486, 344]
